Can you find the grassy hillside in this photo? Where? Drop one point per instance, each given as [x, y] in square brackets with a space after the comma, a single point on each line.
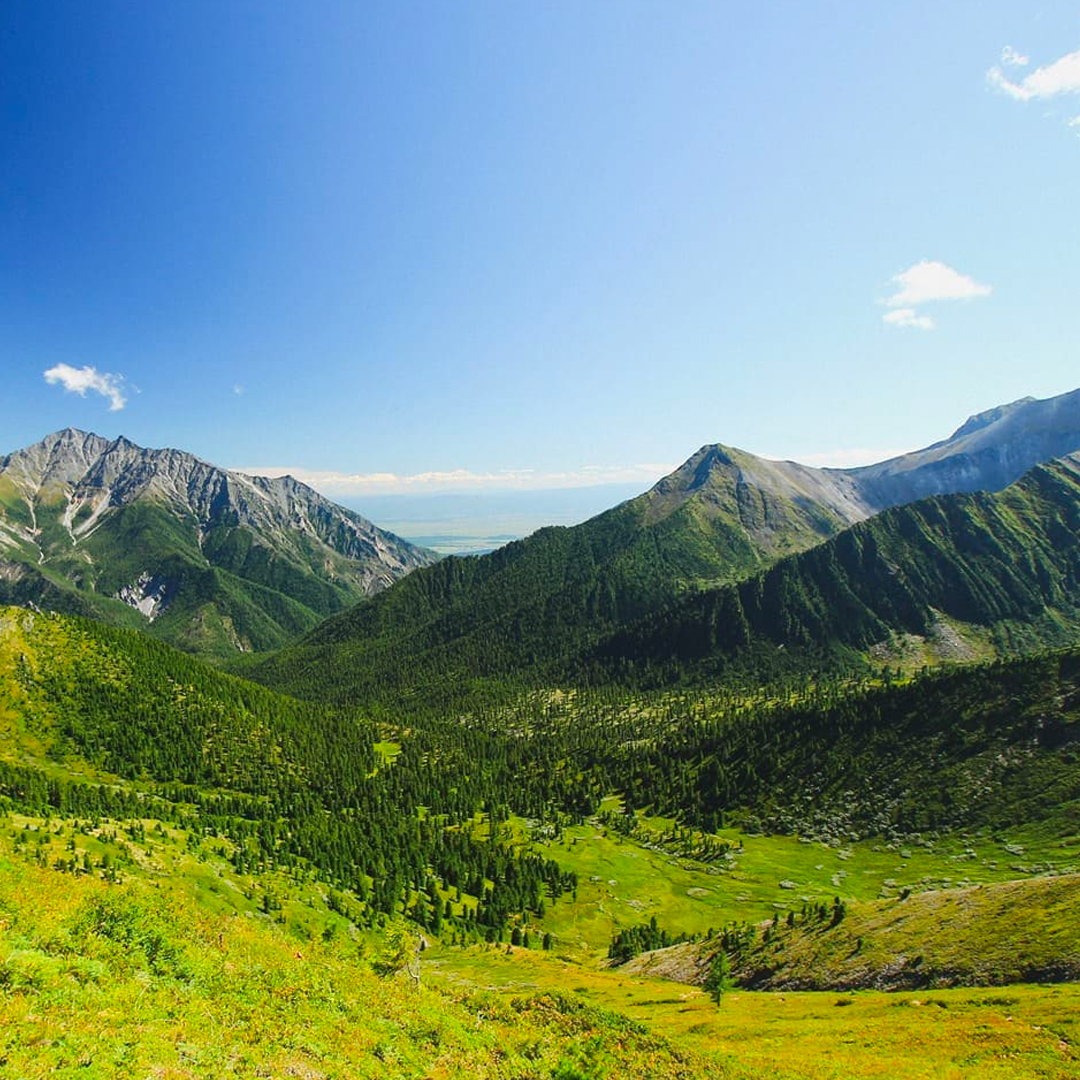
[626, 881]
[1017, 1033]
[178, 970]
[104, 722]
[197, 875]
[982, 935]
[102, 980]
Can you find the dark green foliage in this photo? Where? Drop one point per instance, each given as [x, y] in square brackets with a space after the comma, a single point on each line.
[718, 981]
[620, 599]
[26, 585]
[1007, 558]
[995, 744]
[292, 784]
[628, 943]
[534, 605]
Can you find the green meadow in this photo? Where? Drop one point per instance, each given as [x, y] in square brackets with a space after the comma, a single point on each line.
[178, 966]
[1013, 1032]
[626, 881]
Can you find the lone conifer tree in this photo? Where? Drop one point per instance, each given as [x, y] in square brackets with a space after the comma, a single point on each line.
[718, 981]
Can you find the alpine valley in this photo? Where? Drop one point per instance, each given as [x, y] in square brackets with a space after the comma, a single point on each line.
[650, 796]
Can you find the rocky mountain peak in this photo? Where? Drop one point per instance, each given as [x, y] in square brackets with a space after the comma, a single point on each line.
[984, 419]
[146, 526]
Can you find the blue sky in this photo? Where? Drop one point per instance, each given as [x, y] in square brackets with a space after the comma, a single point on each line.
[481, 245]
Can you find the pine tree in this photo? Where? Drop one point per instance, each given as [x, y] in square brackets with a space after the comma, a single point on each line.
[718, 981]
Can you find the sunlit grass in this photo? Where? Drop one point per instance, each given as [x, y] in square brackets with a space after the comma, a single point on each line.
[106, 980]
[234, 991]
[623, 883]
[1014, 1032]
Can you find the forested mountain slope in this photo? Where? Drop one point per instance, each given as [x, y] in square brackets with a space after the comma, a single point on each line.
[982, 572]
[99, 721]
[980, 745]
[977, 573]
[209, 560]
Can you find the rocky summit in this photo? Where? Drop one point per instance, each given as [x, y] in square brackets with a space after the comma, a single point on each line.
[781, 504]
[209, 559]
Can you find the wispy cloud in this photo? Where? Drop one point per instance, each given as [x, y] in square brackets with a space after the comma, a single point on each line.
[385, 483]
[927, 282]
[79, 380]
[1011, 58]
[238, 390]
[909, 317]
[1060, 77]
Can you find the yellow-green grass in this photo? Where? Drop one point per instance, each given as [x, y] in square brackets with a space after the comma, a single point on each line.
[100, 980]
[292, 994]
[386, 752]
[1013, 1033]
[167, 859]
[982, 935]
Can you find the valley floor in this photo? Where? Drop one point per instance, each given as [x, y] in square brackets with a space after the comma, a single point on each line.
[1008, 1032]
[177, 971]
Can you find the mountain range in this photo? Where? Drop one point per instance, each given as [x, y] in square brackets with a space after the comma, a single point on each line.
[623, 585]
[701, 717]
[220, 563]
[774, 507]
[210, 560]
[948, 577]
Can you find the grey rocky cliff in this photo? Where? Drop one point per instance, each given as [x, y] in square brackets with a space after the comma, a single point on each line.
[96, 477]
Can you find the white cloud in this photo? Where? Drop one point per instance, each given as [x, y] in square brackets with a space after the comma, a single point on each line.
[238, 389]
[930, 280]
[1011, 58]
[344, 484]
[79, 380]
[1060, 77]
[909, 317]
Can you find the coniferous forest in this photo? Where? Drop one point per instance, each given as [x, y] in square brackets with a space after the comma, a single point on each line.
[576, 755]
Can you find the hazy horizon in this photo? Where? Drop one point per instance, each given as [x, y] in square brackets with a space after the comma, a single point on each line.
[465, 522]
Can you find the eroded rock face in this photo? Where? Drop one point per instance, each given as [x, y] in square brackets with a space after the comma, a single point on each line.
[89, 478]
[988, 452]
[149, 594]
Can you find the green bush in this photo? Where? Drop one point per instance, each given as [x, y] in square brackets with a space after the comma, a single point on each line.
[141, 931]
